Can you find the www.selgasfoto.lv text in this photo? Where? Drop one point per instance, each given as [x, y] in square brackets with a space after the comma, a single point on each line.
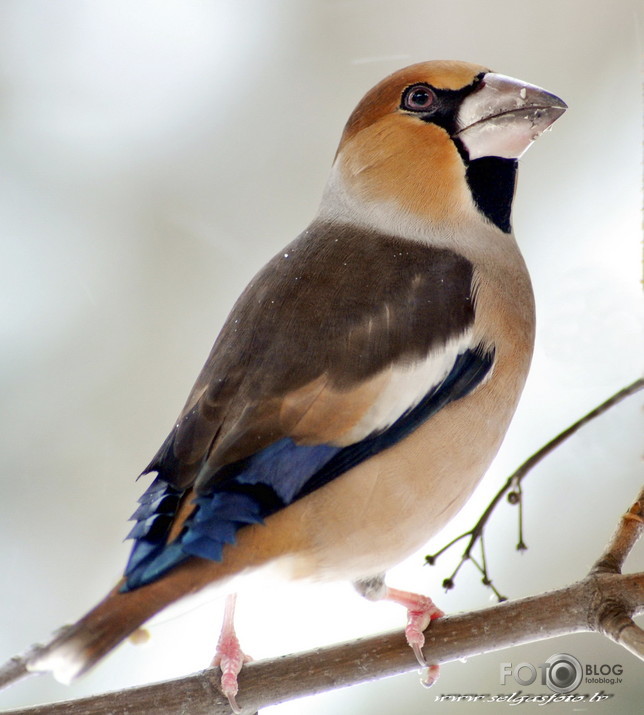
[518, 697]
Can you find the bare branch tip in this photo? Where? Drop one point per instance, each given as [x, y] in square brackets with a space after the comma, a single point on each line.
[616, 623]
[632, 638]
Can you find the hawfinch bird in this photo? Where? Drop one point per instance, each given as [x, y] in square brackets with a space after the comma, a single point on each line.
[364, 379]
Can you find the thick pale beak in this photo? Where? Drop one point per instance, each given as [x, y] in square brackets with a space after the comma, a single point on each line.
[504, 116]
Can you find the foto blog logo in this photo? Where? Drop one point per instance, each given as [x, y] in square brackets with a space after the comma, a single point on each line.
[562, 673]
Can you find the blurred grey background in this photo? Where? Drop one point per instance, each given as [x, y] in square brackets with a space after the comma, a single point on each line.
[153, 155]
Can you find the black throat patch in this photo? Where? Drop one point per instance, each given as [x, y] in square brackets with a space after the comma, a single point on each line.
[492, 180]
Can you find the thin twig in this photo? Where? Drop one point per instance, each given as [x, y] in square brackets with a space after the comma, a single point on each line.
[512, 488]
[627, 533]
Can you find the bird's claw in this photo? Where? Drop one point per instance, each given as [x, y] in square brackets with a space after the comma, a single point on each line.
[418, 652]
[231, 699]
[418, 618]
[431, 676]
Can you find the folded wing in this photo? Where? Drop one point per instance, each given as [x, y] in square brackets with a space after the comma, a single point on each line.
[340, 347]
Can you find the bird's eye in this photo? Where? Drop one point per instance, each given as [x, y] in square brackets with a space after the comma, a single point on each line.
[418, 98]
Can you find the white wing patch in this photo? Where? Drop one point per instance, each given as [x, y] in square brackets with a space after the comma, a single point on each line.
[406, 387]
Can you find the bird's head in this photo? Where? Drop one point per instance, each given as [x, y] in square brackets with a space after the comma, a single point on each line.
[439, 140]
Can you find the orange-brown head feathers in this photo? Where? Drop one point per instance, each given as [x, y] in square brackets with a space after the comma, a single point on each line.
[414, 144]
[389, 153]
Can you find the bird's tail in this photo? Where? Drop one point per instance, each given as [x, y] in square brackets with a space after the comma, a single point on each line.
[75, 649]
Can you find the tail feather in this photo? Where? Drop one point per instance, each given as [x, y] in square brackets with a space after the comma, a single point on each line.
[76, 648]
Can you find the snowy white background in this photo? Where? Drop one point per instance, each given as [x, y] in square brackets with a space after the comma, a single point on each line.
[153, 155]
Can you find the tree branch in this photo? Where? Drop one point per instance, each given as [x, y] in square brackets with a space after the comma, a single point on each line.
[269, 682]
[605, 602]
[616, 622]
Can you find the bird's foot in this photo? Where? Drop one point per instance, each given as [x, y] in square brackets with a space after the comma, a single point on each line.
[420, 612]
[229, 656]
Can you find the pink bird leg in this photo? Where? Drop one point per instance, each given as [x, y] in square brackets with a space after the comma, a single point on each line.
[420, 612]
[229, 656]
